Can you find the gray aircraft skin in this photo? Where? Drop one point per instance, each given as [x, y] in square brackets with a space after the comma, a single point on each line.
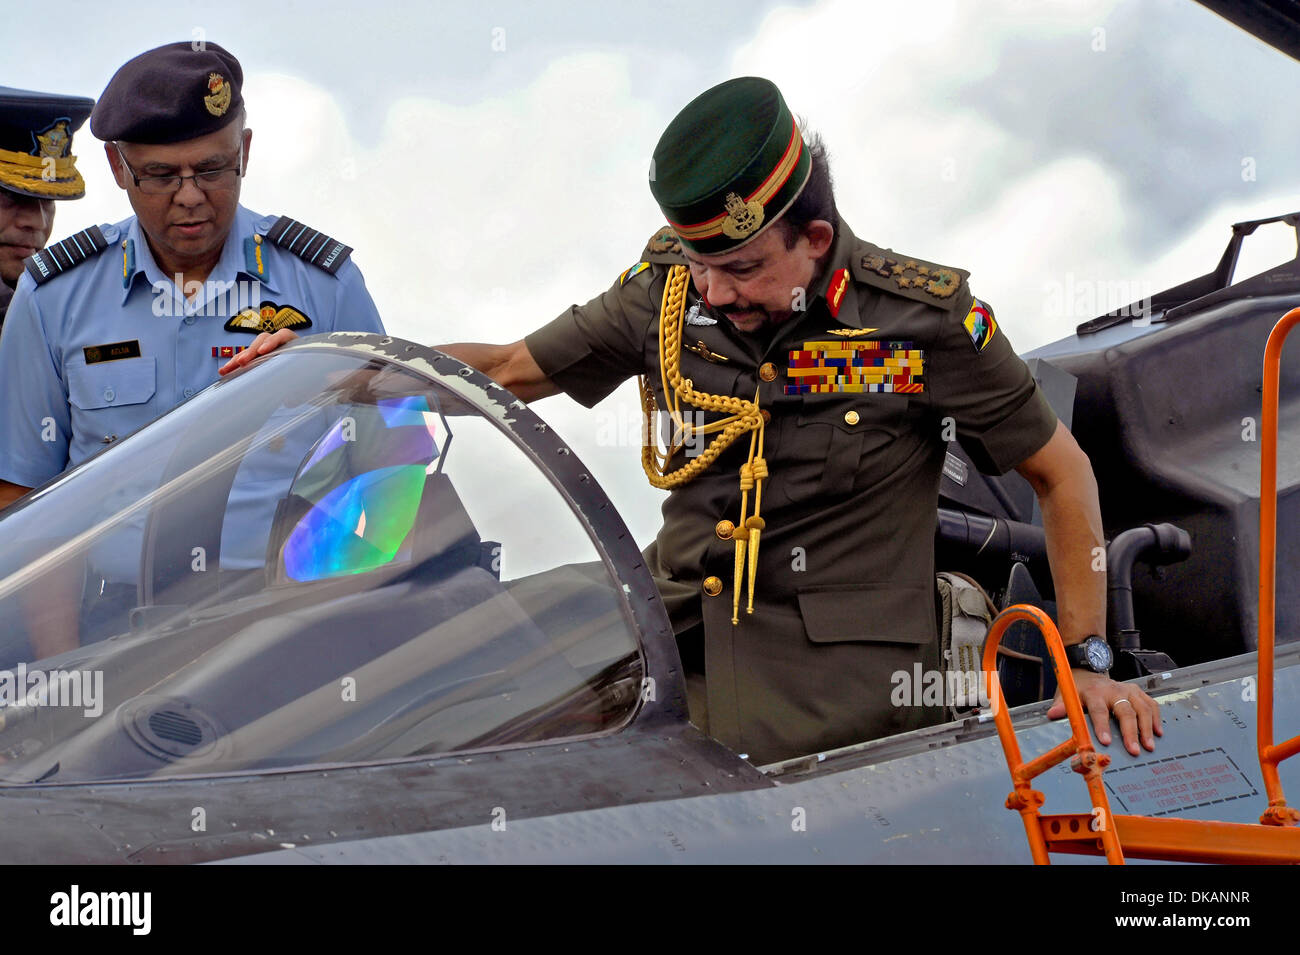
[931, 797]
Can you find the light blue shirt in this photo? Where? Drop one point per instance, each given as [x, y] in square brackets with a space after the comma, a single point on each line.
[57, 409]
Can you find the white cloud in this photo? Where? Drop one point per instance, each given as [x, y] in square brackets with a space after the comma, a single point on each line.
[483, 222]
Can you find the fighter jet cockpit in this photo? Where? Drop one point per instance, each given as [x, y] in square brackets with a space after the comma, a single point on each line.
[338, 559]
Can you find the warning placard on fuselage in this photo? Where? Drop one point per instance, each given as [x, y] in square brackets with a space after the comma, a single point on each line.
[1173, 784]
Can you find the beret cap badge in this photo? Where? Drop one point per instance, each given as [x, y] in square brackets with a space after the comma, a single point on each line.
[218, 99]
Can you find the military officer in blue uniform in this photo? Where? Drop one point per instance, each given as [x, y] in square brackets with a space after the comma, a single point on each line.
[117, 324]
[36, 168]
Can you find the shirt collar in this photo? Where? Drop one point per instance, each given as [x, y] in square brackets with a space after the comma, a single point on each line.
[230, 267]
[839, 259]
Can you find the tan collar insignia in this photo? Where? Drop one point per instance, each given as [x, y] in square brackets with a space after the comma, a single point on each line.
[850, 332]
[218, 99]
[743, 218]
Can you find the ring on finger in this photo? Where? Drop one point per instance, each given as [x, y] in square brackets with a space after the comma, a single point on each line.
[1122, 699]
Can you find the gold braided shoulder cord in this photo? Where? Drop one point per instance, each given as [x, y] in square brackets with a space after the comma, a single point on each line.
[742, 416]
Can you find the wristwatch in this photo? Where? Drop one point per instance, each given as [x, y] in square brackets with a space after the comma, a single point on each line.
[1093, 653]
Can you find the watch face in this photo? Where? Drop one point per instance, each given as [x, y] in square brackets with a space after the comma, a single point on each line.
[1099, 656]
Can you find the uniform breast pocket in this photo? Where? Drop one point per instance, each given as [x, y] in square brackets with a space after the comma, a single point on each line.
[836, 442]
[873, 613]
[97, 391]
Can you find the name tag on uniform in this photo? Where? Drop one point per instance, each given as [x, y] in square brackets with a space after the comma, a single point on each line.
[111, 352]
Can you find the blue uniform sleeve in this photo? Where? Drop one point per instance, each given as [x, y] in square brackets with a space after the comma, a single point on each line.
[35, 421]
[354, 310]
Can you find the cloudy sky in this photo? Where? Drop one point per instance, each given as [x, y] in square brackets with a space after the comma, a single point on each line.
[488, 160]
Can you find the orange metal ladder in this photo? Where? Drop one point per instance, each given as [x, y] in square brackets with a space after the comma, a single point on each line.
[1275, 839]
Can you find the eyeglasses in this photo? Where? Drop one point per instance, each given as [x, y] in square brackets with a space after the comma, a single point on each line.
[213, 180]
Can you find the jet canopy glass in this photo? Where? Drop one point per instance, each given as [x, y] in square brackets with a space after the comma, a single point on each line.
[332, 558]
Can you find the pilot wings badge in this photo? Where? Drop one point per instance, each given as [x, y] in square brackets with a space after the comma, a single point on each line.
[693, 317]
[269, 318]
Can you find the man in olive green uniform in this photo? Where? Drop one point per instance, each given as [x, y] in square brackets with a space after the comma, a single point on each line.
[812, 376]
[855, 386]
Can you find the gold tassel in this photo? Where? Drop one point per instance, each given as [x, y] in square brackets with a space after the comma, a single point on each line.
[742, 417]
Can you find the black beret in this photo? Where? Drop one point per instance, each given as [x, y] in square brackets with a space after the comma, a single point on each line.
[36, 143]
[169, 95]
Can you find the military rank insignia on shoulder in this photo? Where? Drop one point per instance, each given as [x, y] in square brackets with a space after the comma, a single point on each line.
[664, 248]
[319, 249]
[980, 325]
[922, 281]
[58, 258]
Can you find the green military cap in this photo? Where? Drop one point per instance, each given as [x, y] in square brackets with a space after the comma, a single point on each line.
[729, 165]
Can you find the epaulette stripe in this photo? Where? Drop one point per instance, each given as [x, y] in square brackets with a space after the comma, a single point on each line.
[324, 241]
[326, 253]
[280, 228]
[64, 254]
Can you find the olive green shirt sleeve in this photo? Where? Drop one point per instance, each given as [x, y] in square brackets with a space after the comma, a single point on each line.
[589, 350]
[1000, 414]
